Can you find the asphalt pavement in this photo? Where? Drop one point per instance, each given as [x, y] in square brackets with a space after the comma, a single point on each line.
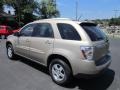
[27, 75]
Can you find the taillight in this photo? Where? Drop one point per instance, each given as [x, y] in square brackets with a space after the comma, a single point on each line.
[87, 52]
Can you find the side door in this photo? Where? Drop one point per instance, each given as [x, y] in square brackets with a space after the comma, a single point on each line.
[23, 42]
[41, 42]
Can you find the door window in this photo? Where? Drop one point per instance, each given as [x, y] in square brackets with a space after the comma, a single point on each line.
[27, 30]
[43, 30]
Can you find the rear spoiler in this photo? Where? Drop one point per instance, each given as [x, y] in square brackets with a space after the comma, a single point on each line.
[88, 24]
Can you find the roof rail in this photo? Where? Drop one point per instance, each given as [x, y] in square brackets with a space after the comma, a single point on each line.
[61, 18]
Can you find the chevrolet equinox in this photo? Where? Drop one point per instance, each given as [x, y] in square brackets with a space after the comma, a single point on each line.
[66, 47]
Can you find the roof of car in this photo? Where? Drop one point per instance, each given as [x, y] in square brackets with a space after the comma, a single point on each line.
[53, 20]
[60, 20]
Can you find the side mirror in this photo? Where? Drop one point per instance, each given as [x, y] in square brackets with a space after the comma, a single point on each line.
[17, 34]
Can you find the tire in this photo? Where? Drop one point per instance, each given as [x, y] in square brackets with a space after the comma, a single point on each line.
[10, 52]
[60, 72]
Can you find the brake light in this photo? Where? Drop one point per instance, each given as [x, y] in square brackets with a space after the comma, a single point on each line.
[87, 52]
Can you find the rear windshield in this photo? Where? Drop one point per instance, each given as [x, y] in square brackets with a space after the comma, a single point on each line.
[93, 32]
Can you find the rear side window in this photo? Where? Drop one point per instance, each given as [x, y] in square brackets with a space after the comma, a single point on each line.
[93, 32]
[68, 32]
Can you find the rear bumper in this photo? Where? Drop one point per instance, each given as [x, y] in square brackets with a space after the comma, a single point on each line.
[89, 76]
[103, 62]
[92, 67]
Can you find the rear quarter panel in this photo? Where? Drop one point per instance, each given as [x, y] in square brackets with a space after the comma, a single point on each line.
[70, 50]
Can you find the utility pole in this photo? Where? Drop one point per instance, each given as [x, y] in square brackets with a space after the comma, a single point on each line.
[55, 5]
[115, 11]
[76, 5]
[18, 9]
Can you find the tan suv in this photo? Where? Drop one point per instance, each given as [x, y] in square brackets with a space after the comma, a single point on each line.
[66, 47]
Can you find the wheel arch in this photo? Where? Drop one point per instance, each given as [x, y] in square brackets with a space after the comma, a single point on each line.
[55, 56]
[8, 42]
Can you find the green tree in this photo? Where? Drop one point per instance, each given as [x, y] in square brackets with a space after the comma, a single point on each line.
[114, 21]
[1, 5]
[23, 9]
[47, 9]
[98, 21]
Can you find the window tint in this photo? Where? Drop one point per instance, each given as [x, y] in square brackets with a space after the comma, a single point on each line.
[68, 32]
[27, 30]
[94, 33]
[43, 30]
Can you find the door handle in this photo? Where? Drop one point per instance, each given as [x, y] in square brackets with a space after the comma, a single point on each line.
[48, 42]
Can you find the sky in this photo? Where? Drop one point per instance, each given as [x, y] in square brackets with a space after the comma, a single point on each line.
[6, 9]
[87, 9]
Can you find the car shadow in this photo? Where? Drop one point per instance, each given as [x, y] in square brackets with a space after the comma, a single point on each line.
[101, 82]
[97, 83]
